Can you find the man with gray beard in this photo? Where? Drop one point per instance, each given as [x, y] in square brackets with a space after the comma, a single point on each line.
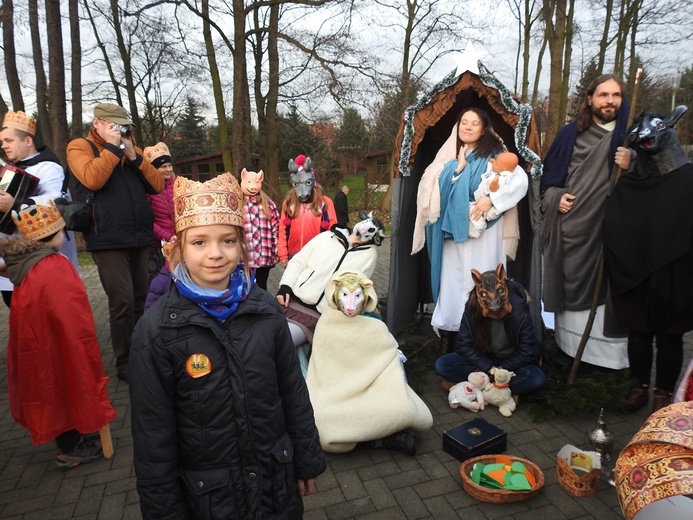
[574, 187]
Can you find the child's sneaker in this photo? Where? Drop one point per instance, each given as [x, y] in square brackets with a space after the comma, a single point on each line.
[83, 452]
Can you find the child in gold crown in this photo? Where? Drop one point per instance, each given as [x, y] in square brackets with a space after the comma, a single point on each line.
[221, 418]
[54, 370]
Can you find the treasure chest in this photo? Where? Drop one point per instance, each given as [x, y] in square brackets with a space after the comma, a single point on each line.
[474, 438]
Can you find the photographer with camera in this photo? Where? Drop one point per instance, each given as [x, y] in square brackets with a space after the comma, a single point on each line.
[109, 164]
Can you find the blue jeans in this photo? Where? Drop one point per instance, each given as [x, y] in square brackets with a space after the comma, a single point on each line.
[526, 380]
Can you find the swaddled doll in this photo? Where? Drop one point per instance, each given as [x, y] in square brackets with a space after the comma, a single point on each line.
[355, 379]
[496, 176]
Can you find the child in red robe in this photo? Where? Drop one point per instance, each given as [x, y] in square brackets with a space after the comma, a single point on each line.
[55, 375]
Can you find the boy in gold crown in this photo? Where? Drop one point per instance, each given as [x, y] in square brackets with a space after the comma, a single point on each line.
[18, 141]
[54, 370]
[221, 419]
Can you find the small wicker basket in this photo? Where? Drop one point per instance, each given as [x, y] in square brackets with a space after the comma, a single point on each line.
[499, 496]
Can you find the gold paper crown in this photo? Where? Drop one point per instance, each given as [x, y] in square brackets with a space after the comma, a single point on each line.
[158, 150]
[39, 221]
[217, 201]
[20, 121]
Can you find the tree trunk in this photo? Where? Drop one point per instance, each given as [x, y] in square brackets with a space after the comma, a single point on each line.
[224, 140]
[127, 72]
[633, 61]
[266, 106]
[526, 42]
[3, 107]
[106, 59]
[7, 18]
[603, 44]
[76, 70]
[537, 76]
[555, 18]
[43, 124]
[57, 106]
[568, 52]
[240, 86]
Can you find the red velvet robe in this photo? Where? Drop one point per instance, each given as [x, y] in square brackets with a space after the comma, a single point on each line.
[54, 368]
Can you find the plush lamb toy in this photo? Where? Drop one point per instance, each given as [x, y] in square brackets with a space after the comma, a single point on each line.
[498, 393]
[467, 394]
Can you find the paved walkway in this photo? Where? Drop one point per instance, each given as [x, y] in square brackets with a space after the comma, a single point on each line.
[364, 484]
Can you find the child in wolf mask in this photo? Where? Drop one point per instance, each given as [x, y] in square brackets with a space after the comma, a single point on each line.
[496, 332]
[306, 210]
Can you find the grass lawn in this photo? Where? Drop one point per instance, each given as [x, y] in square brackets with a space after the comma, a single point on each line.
[85, 258]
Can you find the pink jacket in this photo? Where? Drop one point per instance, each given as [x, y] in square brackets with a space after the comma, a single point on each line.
[162, 206]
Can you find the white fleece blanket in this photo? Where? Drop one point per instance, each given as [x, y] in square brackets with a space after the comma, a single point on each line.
[357, 385]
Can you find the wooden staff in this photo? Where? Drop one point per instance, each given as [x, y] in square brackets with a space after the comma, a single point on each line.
[600, 263]
[106, 441]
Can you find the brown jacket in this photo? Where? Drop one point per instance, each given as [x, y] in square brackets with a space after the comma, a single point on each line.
[94, 172]
[121, 215]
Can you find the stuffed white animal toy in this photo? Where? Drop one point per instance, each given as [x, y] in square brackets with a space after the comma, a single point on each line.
[498, 393]
[467, 394]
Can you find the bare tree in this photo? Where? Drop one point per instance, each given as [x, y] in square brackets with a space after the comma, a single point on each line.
[57, 106]
[43, 123]
[7, 20]
[75, 69]
[558, 20]
[125, 56]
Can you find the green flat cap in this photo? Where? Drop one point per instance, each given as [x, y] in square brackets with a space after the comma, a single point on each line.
[112, 112]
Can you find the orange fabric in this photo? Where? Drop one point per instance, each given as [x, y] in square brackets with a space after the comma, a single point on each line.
[94, 172]
[303, 228]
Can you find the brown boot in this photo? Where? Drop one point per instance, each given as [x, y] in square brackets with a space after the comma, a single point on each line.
[637, 398]
[660, 399]
[447, 385]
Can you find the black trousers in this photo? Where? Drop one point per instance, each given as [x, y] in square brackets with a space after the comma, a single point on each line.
[669, 358]
[123, 274]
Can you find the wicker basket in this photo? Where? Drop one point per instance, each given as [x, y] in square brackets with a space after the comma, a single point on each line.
[499, 496]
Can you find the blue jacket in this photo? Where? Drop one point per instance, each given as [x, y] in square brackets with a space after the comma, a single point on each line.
[519, 328]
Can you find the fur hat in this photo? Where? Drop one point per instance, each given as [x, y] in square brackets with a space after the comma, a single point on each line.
[217, 201]
[157, 155]
[38, 222]
[20, 121]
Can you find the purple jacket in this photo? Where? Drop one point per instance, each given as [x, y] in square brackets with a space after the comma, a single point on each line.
[158, 287]
[162, 206]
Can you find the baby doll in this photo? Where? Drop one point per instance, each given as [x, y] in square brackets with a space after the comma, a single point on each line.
[496, 176]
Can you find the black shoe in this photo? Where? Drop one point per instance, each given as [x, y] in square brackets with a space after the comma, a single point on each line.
[400, 441]
[123, 376]
[80, 454]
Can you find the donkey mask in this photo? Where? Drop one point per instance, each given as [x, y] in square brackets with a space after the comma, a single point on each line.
[654, 139]
[492, 293]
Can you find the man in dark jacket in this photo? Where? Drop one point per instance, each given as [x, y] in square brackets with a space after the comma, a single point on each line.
[121, 231]
[510, 342]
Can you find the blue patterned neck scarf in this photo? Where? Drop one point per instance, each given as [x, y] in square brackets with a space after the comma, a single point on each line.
[219, 304]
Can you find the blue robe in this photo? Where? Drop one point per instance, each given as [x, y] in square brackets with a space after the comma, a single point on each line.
[455, 199]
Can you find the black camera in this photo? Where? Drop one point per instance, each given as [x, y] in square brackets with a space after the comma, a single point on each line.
[125, 130]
